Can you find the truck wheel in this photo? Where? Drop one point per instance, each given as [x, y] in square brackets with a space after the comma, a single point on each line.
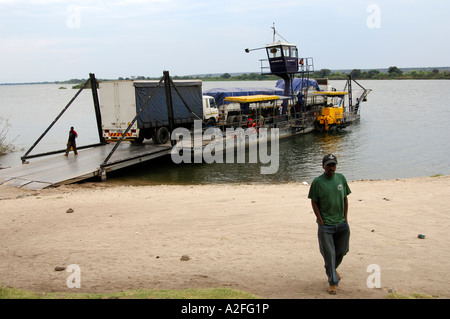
[162, 135]
[138, 140]
[148, 133]
[230, 119]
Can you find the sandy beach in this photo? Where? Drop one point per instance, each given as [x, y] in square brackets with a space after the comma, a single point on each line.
[260, 239]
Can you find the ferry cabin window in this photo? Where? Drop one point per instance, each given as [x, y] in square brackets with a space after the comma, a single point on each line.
[289, 51]
[294, 52]
[274, 52]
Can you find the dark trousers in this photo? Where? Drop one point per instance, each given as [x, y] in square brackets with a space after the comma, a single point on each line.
[334, 245]
[71, 144]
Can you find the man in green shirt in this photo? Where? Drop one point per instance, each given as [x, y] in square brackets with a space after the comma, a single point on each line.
[328, 194]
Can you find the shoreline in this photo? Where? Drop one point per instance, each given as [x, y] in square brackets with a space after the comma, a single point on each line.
[218, 78]
[251, 237]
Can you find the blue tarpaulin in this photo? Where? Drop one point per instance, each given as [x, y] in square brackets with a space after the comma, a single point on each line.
[219, 94]
[155, 113]
[299, 84]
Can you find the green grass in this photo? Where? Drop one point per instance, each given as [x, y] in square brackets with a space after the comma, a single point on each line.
[5, 145]
[413, 295]
[214, 293]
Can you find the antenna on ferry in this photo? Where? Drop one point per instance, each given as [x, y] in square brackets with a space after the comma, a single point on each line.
[275, 32]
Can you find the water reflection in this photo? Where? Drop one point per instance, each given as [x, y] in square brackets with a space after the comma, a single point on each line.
[402, 133]
[300, 159]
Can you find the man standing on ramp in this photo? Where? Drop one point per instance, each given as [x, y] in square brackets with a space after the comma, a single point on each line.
[71, 142]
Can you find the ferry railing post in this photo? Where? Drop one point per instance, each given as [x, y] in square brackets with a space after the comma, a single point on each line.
[182, 99]
[169, 103]
[350, 99]
[98, 115]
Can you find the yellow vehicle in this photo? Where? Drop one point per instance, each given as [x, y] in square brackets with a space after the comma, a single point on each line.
[331, 116]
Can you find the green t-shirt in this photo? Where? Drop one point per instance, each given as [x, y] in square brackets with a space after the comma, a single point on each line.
[329, 194]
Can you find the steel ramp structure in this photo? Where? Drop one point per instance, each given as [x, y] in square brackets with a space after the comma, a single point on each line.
[55, 169]
[58, 169]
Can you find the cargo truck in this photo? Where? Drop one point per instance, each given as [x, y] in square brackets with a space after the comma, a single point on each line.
[120, 102]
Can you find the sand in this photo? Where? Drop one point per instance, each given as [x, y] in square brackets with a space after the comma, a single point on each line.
[260, 239]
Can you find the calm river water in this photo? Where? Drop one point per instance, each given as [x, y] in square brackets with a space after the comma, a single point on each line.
[403, 132]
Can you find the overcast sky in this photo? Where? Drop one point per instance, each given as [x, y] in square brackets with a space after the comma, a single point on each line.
[55, 40]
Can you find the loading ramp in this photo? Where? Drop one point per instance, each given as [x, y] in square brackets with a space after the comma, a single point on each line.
[53, 169]
[58, 170]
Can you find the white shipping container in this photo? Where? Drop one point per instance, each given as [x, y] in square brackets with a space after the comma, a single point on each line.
[118, 108]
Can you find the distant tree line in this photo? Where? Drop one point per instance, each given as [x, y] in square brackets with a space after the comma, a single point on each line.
[240, 77]
[392, 72]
